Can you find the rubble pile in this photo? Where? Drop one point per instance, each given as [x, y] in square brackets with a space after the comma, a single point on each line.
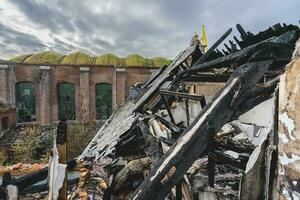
[153, 147]
[151, 126]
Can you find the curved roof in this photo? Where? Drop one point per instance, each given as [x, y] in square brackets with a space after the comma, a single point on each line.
[20, 58]
[44, 57]
[107, 59]
[136, 60]
[79, 58]
[159, 61]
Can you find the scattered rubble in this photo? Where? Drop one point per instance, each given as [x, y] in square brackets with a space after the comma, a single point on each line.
[153, 147]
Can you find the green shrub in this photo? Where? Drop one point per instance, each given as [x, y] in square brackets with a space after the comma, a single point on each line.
[34, 142]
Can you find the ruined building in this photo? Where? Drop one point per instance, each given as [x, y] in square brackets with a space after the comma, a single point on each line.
[220, 124]
[49, 86]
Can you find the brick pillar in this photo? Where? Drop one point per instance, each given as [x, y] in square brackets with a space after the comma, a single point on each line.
[120, 85]
[84, 94]
[7, 84]
[43, 91]
[114, 88]
[3, 83]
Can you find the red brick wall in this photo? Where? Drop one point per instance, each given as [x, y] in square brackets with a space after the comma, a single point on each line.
[23, 73]
[71, 74]
[3, 84]
[121, 87]
[63, 74]
[11, 114]
[98, 75]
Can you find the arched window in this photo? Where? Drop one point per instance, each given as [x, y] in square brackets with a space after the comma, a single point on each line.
[66, 101]
[25, 102]
[103, 100]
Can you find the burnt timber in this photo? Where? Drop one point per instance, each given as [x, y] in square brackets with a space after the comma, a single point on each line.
[252, 65]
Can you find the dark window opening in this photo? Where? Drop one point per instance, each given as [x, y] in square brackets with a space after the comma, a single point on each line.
[25, 101]
[103, 100]
[66, 101]
[4, 122]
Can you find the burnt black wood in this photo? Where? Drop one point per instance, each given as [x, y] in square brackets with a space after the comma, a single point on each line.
[218, 112]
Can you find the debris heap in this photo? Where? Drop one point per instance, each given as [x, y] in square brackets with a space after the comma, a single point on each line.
[144, 151]
[152, 147]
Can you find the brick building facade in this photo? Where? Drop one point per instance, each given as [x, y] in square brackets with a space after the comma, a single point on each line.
[48, 86]
[7, 116]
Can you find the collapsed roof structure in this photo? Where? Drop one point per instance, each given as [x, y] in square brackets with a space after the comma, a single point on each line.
[138, 130]
[152, 148]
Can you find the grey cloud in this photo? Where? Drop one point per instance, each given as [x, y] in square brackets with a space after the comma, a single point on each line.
[25, 42]
[150, 28]
[45, 16]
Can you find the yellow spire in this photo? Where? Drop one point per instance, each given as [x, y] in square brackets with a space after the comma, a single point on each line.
[203, 39]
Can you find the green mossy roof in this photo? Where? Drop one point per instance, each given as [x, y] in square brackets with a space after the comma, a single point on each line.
[107, 59]
[135, 60]
[79, 58]
[43, 58]
[19, 59]
[160, 61]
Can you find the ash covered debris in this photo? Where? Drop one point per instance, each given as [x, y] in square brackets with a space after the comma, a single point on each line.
[157, 125]
[168, 141]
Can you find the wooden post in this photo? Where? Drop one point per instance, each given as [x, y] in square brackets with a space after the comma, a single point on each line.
[61, 141]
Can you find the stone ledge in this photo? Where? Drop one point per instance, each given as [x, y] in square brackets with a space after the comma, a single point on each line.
[43, 67]
[84, 69]
[120, 69]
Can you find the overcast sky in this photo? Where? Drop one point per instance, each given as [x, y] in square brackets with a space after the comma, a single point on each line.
[147, 27]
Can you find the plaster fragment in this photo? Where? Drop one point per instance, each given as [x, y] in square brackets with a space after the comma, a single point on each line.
[285, 160]
[283, 138]
[288, 123]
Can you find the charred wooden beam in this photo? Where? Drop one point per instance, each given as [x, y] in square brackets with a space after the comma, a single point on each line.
[205, 78]
[234, 146]
[187, 112]
[222, 158]
[182, 95]
[249, 38]
[203, 102]
[172, 127]
[214, 46]
[196, 55]
[193, 141]
[153, 76]
[271, 50]
[165, 75]
[168, 108]
[211, 160]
